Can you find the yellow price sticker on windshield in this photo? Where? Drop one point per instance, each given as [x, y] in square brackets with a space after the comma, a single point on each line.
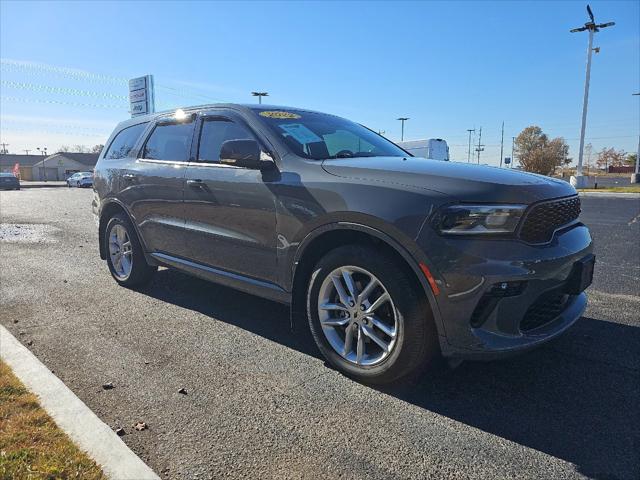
[279, 114]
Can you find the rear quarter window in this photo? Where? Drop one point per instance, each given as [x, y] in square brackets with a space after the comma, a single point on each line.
[124, 142]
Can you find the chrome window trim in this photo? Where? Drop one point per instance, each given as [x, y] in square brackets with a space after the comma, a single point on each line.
[188, 163]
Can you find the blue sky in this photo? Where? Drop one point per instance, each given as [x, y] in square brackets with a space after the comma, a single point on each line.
[449, 66]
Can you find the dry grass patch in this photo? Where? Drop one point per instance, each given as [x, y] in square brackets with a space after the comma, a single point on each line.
[31, 444]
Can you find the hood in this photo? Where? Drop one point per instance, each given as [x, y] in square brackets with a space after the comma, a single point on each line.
[464, 181]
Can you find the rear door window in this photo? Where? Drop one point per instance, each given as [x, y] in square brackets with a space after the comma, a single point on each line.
[169, 141]
[124, 142]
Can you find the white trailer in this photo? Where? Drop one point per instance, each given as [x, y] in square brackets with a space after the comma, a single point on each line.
[433, 148]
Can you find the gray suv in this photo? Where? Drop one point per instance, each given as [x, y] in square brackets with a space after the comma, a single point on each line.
[393, 260]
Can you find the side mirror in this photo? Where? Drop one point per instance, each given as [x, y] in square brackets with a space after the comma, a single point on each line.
[243, 153]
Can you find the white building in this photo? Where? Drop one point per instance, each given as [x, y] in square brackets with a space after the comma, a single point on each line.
[62, 165]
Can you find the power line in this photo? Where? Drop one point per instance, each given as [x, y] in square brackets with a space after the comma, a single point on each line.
[62, 102]
[43, 69]
[61, 90]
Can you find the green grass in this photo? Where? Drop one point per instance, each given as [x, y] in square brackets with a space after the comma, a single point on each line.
[31, 444]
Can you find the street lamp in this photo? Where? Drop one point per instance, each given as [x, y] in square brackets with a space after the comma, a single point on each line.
[592, 28]
[260, 95]
[44, 166]
[402, 119]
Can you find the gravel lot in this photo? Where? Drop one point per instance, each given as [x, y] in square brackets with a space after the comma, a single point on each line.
[260, 402]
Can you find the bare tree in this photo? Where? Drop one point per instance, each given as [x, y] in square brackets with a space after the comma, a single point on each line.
[80, 149]
[97, 148]
[610, 157]
[537, 154]
[588, 152]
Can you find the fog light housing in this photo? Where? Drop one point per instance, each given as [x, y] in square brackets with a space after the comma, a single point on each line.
[507, 289]
[492, 297]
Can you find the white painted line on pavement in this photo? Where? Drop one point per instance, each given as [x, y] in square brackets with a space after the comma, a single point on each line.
[83, 426]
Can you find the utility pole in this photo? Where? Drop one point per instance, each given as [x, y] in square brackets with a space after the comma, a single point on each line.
[501, 144]
[513, 141]
[4, 148]
[44, 159]
[402, 119]
[591, 26]
[469, 152]
[260, 95]
[480, 147]
[26, 151]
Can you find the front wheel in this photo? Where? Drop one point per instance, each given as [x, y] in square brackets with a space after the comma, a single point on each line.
[125, 256]
[368, 317]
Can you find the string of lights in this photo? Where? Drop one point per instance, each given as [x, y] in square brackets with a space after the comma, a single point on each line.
[63, 90]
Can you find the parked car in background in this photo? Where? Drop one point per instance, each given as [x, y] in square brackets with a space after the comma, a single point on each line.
[8, 181]
[80, 180]
[392, 260]
[433, 149]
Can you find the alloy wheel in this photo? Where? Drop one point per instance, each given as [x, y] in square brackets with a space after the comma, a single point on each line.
[120, 251]
[357, 316]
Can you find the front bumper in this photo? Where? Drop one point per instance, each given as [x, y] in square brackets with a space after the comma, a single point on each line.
[468, 271]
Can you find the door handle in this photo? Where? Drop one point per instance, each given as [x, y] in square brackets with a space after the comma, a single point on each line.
[129, 177]
[196, 183]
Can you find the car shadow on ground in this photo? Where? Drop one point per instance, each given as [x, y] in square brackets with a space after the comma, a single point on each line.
[575, 398]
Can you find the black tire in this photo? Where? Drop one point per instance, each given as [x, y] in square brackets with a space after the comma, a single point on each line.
[141, 272]
[416, 344]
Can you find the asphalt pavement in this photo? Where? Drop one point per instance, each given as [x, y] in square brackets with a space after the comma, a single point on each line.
[260, 402]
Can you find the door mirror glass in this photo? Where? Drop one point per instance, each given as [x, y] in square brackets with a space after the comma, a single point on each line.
[241, 153]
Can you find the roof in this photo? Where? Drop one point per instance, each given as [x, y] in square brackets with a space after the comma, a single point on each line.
[10, 159]
[86, 159]
[237, 106]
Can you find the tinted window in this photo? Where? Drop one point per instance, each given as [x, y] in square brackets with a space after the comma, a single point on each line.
[319, 136]
[169, 142]
[214, 133]
[125, 141]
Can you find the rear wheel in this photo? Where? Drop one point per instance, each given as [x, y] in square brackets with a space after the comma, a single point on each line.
[125, 256]
[367, 317]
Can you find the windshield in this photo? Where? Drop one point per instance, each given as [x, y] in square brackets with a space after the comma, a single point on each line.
[319, 136]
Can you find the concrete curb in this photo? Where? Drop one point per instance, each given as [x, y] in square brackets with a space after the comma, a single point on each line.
[610, 194]
[83, 426]
[43, 185]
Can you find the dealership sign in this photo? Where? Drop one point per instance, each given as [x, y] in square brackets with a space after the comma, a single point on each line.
[141, 98]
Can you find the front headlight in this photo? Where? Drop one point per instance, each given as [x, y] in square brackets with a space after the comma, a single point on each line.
[478, 219]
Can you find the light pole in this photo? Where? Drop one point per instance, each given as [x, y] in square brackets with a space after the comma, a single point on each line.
[635, 178]
[469, 152]
[44, 159]
[402, 119]
[502, 144]
[579, 181]
[260, 95]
